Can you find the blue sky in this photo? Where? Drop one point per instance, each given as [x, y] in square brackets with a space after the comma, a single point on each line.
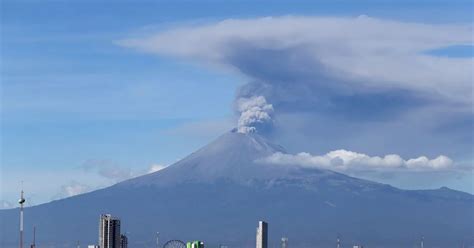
[72, 93]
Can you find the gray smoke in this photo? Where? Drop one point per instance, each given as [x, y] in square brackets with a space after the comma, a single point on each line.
[254, 112]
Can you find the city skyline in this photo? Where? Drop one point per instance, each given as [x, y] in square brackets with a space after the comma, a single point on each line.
[109, 227]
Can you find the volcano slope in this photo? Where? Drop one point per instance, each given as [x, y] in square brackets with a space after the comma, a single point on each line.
[218, 194]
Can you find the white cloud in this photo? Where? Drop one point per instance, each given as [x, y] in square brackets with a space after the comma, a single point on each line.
[6, 204]
[342, 160]
[254, 111]
[104, 169]
[364, 52]
[156, 167]
[108, 169]
[43, 186]
[72, 189]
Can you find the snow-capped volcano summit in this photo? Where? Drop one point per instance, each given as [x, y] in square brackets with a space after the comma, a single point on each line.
[218, 193]
[233, 156]
[238, 158]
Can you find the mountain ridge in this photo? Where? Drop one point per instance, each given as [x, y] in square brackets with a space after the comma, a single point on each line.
[218, 193]
[234, 156]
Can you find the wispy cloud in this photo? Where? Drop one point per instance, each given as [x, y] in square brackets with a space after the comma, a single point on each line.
[108, 169]
[6, 204]
[201, 129]
[45, 185]
[364, 52]
[71, 189]
[111, 170]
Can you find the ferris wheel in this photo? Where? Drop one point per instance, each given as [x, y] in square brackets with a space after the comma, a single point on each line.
[174, 244]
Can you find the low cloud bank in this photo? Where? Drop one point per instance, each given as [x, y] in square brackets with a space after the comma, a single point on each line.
[343, 160]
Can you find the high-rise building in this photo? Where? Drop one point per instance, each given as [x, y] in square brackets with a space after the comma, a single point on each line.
[284, 242]
[123, 241]
[109, 232]
[262, 235]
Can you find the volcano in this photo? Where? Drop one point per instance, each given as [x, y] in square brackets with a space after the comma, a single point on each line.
[218, 194]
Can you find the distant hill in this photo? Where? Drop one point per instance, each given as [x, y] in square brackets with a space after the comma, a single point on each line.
[218, 194]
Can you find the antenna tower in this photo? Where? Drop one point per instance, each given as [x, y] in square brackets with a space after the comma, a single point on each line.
[21, 201]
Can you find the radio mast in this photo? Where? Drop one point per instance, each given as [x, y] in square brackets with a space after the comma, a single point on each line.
[21, 201]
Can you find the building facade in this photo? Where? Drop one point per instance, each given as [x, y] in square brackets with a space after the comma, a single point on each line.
[195, 244]
[109, 232]
[262, 235]
[123, 241]
[284, 242]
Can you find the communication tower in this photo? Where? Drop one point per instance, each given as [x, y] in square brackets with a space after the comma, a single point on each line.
[21, 201]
